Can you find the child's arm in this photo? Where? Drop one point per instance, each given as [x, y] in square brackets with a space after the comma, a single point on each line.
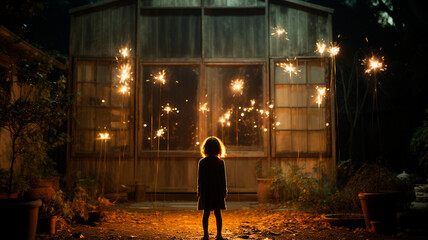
[224, 180]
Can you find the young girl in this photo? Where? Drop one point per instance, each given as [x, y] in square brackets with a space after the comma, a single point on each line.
[212, 190]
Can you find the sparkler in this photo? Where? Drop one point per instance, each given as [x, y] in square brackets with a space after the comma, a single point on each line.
[237, 88]
[167, 109]
[104, 137]
[374, 64]
[321, 94]
[288, 67]
[321, 48]
[279, 31]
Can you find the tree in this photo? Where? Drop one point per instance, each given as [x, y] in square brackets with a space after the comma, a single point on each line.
[34, 104]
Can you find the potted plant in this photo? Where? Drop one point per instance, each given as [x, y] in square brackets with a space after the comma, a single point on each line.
[378, 195]
[33, 102]
[49, 211]
[88, 208]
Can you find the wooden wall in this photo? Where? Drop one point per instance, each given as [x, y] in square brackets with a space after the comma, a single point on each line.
[188, 32]
[304, 26]
[102, 33]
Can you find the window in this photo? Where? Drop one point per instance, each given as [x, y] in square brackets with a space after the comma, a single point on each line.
[100, 108]
[300, 108]
[237, 112]
[169, 107]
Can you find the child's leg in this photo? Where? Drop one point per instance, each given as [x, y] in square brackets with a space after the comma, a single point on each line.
[219, 222]
[205, 222]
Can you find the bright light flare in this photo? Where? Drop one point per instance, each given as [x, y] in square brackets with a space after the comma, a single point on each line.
[159, 132]
[125, 73]
[103, 136]
[124, 52]
[321, 94]
[237, 86]
[161, 77]
[321, 47]
[124, 89]
[288, 67]
[204, 108]
[253, 102]
[167, 109]
[333, 50]
[279, 31]
[373, 64]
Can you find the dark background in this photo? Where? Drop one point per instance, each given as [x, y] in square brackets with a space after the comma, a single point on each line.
[360, 32]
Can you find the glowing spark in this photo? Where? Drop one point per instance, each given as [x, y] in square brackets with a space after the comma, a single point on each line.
[271, 106]
[159, 132]
[161, 77]
[167, 109]
[197, 143]
[265, 129]
[321, 47]
[125, 73]
[261, 111]
[288, 67]
[227, 116]
[204, 107]
[222, 120]
[374, 64]
[278, 31]
[123, 89]
[333, 50]
[277, 123]
[104, 136]
[253, 102]
[237, 85]
[228, 124]
[321, 95]
[124, 52]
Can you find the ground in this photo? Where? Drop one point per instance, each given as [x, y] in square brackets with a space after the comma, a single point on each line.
[180, 220]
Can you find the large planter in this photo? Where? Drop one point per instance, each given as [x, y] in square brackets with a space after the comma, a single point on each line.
[18, 218]
[264, 194]
[379, 212]
[45, 189]
[46, 225]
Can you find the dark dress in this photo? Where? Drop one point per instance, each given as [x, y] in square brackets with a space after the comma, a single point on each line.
[211, 184]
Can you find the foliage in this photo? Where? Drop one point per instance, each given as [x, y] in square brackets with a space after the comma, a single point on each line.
[419, 144]
[19, 184]
[55, 206]
[364, 179]
[86, 199]
[298, 190]
[32, 108]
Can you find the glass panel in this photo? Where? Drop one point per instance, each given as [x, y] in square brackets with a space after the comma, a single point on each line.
[289, 73]
[316, 141]
[103, 94]
[243, 104]
[299, 141]
[298, 96]
[315, 72]
[316, 118]
[85, 72]
[283, 141]
[179, 94]
[103, 119]
[283, 116]
[313, 95]
[298, 118]
[103, 74]
[85, 117]
[86, 94]
[282, 95]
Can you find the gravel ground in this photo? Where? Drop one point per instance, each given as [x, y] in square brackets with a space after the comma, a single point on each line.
[182, 221]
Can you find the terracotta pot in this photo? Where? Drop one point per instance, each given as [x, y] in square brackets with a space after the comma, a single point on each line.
[40, 192]
[46, 225]
[18, 218]
[264, 194]
[379, 212]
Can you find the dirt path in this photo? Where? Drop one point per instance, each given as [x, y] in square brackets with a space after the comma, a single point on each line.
[244, 223]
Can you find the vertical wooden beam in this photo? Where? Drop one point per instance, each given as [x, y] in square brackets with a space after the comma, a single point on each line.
[268, 79]
[136, 90]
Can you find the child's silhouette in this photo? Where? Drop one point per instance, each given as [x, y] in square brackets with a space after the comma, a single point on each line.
[212, 190]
